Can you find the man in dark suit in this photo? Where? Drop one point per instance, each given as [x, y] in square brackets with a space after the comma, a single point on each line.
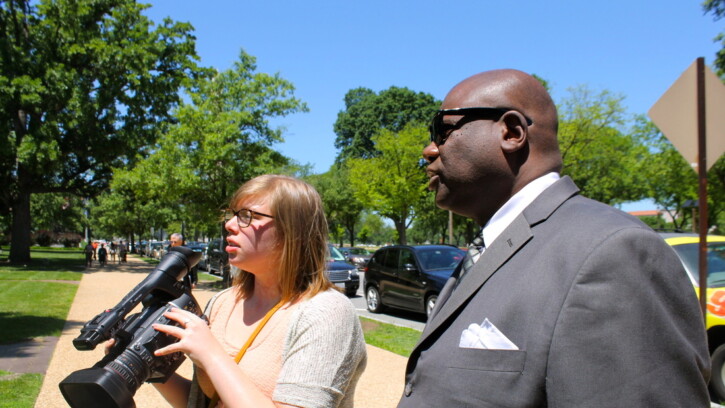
[565, 302]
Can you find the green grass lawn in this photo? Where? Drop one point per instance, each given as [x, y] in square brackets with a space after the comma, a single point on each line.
[34, 303]
[35, 300]
[399, 340]
[19, 390]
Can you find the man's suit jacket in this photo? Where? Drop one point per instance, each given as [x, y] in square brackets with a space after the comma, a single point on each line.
[599, 306]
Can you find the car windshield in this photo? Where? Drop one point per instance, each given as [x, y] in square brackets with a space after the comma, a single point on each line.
[335, 254]
[440, 258]
[358, 251]
[689, 254]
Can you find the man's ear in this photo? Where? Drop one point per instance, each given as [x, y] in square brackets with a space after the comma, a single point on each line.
[516, 132]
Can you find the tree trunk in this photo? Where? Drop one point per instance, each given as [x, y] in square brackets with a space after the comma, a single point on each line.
[400, 227]
[351, 235]
[20, 230]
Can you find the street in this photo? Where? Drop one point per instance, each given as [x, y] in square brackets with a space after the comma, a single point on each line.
[399, 318]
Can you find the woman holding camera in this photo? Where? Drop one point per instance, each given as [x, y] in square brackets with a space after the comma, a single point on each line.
[297, 339]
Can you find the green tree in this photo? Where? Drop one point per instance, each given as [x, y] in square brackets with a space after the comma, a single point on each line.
[393, 183]
[604, 161]
[366, 113]
[57, 212]
[131, 206]
[670, 181]
[717, 8]
[673, 184]
[84, 86]
[342, 208]
[374, 231]
[222, 138]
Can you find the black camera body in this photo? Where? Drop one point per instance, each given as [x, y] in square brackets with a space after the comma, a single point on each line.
[112, 382]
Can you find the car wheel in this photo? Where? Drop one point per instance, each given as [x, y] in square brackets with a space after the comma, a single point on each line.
[350, 292]
[372, 298]
[430, 303]
[717, 379]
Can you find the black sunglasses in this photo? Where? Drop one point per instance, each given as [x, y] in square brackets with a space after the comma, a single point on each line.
[439, 132]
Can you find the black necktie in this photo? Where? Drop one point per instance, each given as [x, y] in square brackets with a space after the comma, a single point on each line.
[474, 252]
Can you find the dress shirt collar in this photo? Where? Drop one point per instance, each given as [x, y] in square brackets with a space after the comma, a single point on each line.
[515, 205]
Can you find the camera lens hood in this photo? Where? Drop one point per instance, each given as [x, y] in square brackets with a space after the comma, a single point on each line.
[96, 388]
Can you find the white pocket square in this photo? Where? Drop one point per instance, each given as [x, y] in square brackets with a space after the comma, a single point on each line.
[485, 336]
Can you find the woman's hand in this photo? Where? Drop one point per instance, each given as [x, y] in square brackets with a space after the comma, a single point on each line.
[195, 337]
[107, 346]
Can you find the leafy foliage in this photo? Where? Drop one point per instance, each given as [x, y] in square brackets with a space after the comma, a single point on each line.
[366, 113]
[393, 183]
[673, 184]
[717, 8]
[604, 161]
[84, 87]
[342, 208]
[221, 139]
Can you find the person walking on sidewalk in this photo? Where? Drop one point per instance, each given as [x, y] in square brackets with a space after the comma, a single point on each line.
[310, 351]
[121, 252]
[102, 254]
[89, 251]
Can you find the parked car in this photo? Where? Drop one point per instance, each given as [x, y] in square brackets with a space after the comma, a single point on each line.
[341, 273]
[356, 256]
[217, 259]
[686, 246]
[156, 250]
[409, 277]
[141, 247]
[199, 247]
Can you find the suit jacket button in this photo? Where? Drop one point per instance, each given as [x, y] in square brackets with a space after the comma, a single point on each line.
[408, 389]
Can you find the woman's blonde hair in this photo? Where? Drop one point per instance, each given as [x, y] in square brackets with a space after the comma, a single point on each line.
[301, 229]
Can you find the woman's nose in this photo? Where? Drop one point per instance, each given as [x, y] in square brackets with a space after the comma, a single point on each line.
[231, 225]
[430, 152]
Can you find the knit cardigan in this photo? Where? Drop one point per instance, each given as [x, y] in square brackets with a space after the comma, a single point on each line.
[324, 354]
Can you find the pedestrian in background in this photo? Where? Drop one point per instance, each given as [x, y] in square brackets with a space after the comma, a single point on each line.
[122, 252]
[192, 277]
[112, 251]
[89, 251]
[102, 254]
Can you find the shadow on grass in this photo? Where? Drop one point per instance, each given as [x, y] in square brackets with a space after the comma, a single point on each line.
[48, 260]
[19, 327]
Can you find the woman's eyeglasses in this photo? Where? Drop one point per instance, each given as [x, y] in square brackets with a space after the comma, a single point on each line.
[439, 131]
[244, 216]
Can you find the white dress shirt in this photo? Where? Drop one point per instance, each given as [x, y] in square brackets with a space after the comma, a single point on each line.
[515, 205]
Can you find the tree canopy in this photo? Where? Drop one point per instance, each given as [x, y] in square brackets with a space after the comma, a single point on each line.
[221, 139]
[393, 183]
[717, 8]
[84, 87]
[366, 113]
[599, 154]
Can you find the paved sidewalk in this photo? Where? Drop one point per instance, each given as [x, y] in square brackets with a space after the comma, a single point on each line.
[380, 386]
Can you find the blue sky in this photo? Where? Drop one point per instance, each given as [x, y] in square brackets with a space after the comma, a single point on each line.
[325, 48]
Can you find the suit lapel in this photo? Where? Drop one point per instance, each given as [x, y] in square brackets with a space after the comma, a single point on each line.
[514, 237]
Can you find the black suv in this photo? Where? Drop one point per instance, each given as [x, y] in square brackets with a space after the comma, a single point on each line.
[217, 259]
[409, 277]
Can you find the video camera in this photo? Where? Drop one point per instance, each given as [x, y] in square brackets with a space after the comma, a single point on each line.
[112, 382]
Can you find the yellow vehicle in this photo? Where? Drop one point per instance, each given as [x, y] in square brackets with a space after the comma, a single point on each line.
[687, 248]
